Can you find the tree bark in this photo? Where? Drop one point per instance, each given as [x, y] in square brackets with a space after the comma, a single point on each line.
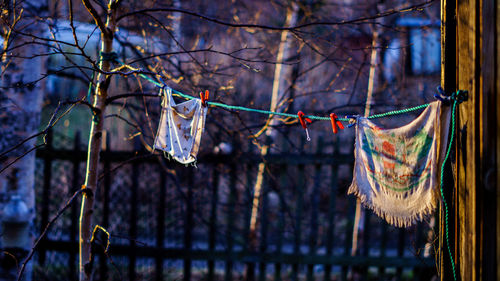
[94, 146]
[21, 105]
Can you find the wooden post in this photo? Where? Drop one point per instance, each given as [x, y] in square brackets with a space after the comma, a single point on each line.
[471, 63]
[448, 82]
[497, 87]
[489, 139]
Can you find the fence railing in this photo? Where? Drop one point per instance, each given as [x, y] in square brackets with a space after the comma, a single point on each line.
[170, 222]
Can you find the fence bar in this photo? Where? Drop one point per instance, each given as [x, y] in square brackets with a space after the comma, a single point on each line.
[213, 222]
[264, 222]
[348, 236]
[239, 256]
[281, 219]
[133, 216]
[419, 239]
[160, 225]
[230, 221]
[313, 234]
[383, 248]
[331, 213]
[249, 267]
[274, 158]
[366, 234]
[426, 250]
[47, 176]
[366, 243]
[419, 248]
[401, 248]
[103, 264]
[298, 219]
[75, 186]
[188, 224]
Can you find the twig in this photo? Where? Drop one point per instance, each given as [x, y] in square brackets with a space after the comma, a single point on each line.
[47, 227]
[52, 122]
[144, 156]
[115, 97]
[278, 28]
[19, 158]
[95, 15]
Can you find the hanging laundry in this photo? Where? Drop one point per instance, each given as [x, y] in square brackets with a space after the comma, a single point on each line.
[180, 128]
[396, 170]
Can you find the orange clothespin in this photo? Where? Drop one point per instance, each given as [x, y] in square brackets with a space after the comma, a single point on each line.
[335, 123]
[303, 123]
[204, 98]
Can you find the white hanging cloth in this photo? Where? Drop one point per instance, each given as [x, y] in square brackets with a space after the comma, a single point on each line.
[180, 128]
[396, 171]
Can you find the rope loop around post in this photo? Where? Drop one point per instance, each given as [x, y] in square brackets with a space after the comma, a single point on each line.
[460, 96]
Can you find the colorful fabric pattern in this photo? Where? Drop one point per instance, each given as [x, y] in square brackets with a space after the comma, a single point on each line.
[396, 170]
[180, 129]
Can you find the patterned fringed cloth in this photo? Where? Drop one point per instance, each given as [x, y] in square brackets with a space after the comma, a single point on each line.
[396, 170]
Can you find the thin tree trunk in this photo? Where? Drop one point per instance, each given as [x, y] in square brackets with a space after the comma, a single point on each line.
[94, 149]
[277, 95]
[369, 100]
[21, 107]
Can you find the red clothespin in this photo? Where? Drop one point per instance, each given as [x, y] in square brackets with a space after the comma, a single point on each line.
[204, 98]
[335, 123]
[304, 124]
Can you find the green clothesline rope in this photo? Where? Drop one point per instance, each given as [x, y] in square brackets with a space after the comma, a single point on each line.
[396, 112]
[268, 112]
[442, 191]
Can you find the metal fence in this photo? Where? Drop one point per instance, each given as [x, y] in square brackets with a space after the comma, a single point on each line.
[170, 222]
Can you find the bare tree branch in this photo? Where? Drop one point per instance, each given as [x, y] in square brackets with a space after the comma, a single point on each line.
[97, 18]
[47, 227]
[278, 28]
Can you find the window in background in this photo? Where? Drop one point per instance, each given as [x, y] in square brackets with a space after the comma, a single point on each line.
[392, 65]
[425, 51]
[422, 50]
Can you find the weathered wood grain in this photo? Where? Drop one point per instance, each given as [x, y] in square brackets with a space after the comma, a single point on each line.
[467, 134]
[473, 66]
[448, 82]
[497, 88]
